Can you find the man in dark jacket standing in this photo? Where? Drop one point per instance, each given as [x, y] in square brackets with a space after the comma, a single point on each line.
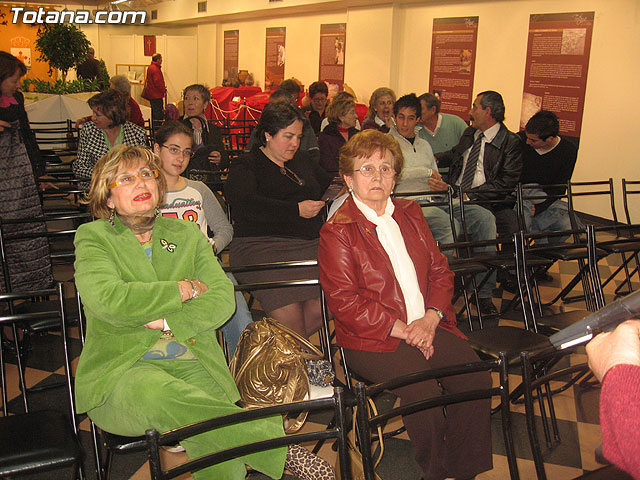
[487, 157]
[156, 88]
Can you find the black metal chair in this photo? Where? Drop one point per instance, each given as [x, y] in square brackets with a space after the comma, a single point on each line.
[335, 404]
[537, 372]
[37, 441]
[365, 422]
[55, 229]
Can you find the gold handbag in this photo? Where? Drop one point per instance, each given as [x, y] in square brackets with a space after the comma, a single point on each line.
[269, 367]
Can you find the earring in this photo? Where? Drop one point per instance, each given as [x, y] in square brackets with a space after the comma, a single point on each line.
[112, 215]
[156, 212]
[350, 190]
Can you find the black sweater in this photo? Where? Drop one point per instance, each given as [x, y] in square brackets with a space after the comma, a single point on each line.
[264, 202]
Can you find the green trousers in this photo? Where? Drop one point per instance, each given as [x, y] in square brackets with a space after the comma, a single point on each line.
[165, 394]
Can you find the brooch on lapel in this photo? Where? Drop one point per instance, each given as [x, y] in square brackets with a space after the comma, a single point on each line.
[170, 247]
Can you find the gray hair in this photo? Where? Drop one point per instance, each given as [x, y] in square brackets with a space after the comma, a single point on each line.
[121, 84]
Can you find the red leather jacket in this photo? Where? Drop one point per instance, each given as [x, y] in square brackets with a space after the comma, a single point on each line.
[358, 280]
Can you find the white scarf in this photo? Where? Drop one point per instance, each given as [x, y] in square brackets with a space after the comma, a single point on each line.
[404, 270]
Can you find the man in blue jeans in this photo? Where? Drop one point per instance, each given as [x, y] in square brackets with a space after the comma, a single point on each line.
[487, 157]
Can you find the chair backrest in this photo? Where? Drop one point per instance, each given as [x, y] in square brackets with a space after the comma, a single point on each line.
[534, 193]
[365, 422]
[325, 337]
[629, 187]
[9, 318]
[58, 137]
[578, 190]
[335, 403]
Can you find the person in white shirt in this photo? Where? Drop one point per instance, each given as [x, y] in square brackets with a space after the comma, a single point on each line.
[195, 202]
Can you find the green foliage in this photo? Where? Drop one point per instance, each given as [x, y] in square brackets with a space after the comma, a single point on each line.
[103, 77]
[63, 46]
[61, 88]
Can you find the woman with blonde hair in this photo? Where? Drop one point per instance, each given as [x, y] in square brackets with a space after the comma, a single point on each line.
[380, 114]
[154, 295]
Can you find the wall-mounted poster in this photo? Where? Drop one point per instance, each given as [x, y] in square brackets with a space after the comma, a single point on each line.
[274, 57]
[149, 45]
[333, 40]
[231, 45]
[453, 59]
[556, 70]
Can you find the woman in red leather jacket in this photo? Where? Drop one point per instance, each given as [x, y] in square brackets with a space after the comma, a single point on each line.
[389, 289]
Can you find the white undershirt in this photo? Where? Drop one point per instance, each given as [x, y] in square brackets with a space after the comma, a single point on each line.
[404, 270]
[479, 178]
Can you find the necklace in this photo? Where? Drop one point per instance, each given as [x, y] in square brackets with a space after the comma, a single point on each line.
[291, 175]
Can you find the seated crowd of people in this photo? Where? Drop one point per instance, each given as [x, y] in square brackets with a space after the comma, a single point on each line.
[155, 293]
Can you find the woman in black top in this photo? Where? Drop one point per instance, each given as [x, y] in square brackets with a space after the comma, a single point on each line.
[208, 148]
[274, 192]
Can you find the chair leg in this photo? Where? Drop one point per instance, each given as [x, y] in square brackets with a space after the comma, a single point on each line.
[530, 418]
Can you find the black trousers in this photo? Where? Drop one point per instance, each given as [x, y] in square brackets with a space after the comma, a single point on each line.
[157, 110]
[457, 446]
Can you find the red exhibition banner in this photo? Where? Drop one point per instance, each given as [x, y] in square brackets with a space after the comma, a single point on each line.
[230, 62]
[333, 41]
[453, 59]
[149, 45]
[556, 70]
[274, 57]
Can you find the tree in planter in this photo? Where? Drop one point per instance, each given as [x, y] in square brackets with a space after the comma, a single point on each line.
[63, 46]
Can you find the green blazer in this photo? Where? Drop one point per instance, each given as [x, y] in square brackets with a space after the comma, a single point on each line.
[122, 290]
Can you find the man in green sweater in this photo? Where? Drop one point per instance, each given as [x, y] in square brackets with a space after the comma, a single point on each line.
[441, 130]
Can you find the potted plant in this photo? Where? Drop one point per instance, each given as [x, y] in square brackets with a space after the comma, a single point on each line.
[63, 46]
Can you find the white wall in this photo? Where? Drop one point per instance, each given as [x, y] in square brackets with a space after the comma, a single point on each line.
[390, 44]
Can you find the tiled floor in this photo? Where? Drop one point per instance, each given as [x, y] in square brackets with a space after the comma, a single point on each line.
[576, 409]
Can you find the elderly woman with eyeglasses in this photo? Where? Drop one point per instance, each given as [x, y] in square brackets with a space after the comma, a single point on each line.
[154, 295]
[389, 289]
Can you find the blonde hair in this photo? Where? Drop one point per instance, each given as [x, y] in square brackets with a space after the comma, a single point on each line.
[365, 144]
[105, 171]
[339, 108]
[375, 96]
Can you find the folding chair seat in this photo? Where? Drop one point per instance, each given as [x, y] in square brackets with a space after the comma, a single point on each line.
[46, 440]
[334, 404]
[366, 422]
[578, 251]
[510, 340]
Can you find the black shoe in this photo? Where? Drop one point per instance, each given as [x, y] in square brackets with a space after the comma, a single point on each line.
[510, 284]
[487, 308]
[544, 277]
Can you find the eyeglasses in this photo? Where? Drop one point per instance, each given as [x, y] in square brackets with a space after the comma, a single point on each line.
[125, 180]
[176, 151]
[369, 171]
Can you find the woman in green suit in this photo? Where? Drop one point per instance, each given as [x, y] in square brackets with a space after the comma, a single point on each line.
[154, 295]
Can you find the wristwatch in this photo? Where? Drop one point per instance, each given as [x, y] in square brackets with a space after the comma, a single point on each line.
[439, 312]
